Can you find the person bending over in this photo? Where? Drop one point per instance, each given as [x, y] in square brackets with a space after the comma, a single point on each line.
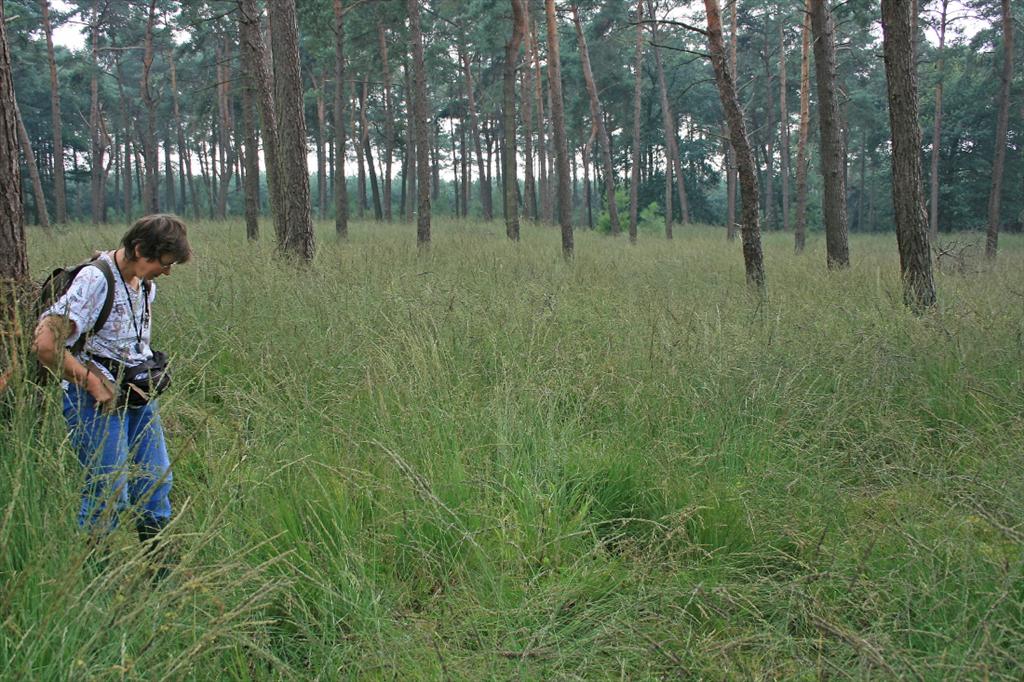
[110, 384]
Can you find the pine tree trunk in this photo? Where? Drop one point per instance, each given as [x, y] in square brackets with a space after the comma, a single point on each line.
[321, 150]
[256, 59]
[669, 122]
[474, 129]
[730, 153]
[378, 213]
[184, 158]
[933, 204]
[863, 180]
[634, 177]
[226, 125]
[467, 170]
[59, 191]
[169, 194]
[907, 193]
[752, 257]
[587, 194]
[409, 172]
[13, 253]
[42, 216]
[526, 90]
[558, 126]
[435, 161]
[784, 121]
[544, 209]
[769, 161]
[800, 229]
[511, 175]
[250, 157]
[456, 199]
[422, 146]
[597, 115]
[833, 163]
[389, 124]
[299, 239]
[1002, 122]
[127, 170]
[340, 183]
[151, 192]
[357, 142]
[97, 148]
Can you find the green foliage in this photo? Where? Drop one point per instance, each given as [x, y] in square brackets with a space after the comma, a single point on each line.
[388, 465]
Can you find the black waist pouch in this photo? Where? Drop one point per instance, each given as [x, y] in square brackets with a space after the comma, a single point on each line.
[142, 382]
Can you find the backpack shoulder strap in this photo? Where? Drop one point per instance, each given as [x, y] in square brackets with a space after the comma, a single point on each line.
[108, 304]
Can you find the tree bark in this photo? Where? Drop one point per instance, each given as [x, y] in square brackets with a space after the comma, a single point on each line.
[558, 126]
[364, 130]
[420, 108]
[544, 210]
[730, 153]
[833, 164]
[1002, 122]
[526, 90]
[933, 180]
[597, 114]
[96, 141]
[250, 150]
[340, 184]
[184, 157]
[800, 229]
[511, 192]
[321, 149]
[409, 172]
[587, 194]
[457, 204]
[13, 253]
[127, 197]
[42, 215]
[357, 142]
[784, 121]
[752, 257]
[769, 161]
[169, 196]
[59, 191]
[474, 130]
[389, 124]
[226, 125]
[299, 238]
[673, 161]
[151, 196]
[634, 178]
[907, 194]
[467, 169]
[256, 59]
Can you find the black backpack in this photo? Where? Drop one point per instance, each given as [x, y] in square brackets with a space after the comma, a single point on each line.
[58, 283]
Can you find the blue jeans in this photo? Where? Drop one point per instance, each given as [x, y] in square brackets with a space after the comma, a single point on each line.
[124, 455]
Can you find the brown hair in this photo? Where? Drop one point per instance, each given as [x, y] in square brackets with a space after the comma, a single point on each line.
[156, 235]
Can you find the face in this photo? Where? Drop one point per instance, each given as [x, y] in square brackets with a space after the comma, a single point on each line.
[151, 268]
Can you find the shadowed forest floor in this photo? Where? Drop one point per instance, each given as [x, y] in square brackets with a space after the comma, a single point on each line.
[486, 462]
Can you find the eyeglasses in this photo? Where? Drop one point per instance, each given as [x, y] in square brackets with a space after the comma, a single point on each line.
[166, 266]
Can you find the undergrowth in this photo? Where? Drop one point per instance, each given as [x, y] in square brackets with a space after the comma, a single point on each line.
[483, 461]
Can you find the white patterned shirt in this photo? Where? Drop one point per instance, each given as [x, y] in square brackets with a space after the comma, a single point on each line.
[117, 339]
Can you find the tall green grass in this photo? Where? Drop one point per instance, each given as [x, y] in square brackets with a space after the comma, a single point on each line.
[486, 462]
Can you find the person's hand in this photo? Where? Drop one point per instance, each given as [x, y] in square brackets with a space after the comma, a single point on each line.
[102, 391]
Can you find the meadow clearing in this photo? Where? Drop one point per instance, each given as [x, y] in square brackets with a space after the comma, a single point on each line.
[485, 462]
